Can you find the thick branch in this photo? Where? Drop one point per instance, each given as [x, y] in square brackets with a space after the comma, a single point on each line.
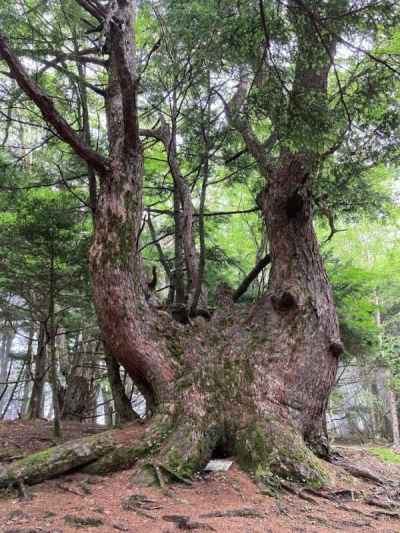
[48, 110]
[163, 259]
[82, 56]
[121, 33]
[94, 8]
[237, 121]
[164, 134]
[251, 276]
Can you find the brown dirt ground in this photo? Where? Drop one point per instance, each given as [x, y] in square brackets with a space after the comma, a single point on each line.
[101, 498]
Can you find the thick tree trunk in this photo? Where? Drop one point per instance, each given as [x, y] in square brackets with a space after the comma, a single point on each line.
[117, 281]
[77, 399]
[302, 316]
[114, 257]
[254, 382]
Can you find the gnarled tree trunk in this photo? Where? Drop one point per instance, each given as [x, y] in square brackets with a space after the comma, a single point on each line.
[254, 382]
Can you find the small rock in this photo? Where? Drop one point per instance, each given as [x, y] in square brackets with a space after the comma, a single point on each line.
[17, 514]
[81, 522]
[185, 522]
[120, 527]
[86, 489]
[139, 501]
[218, 465]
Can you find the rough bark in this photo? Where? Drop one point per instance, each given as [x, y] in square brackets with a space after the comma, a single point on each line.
[55, 461]
[5, 348]
[122, 405]
[35, 409]
[76, 399]
[395, 419]
[114, 256]
[299, 302]
[254, 382]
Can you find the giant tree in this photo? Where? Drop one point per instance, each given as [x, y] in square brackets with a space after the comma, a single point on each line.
[253, 381]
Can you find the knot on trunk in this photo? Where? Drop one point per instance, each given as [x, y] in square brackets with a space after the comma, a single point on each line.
[336, 348]
[284, 301]
[294, 205]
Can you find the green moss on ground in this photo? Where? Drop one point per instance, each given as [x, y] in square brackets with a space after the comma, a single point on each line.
[386, 454]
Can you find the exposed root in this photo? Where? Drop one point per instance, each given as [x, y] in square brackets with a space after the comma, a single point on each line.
[362, 473]
[272, 449]
[172, 450]
[246, 512]
[183, 450]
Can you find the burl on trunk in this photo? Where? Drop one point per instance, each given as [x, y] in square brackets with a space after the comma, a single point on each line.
[254, 381]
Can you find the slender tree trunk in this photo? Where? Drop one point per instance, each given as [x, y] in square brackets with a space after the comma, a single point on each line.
[107, 406]
[394, 416]
[79, 395]
[5, 348]
[11, 397]
[199, 293]
[179, 262]
[28, 373]
[35, 409]
[122, 405]
[395, 419]
[51, 340]
[163, 260]
[183, 203]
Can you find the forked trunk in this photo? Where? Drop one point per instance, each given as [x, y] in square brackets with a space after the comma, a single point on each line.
[254, 381]
[122, 311]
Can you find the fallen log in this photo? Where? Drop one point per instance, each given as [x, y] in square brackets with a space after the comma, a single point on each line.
[52, 462]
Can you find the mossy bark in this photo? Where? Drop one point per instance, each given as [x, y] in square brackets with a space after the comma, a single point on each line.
[255, 381]
[55, 461]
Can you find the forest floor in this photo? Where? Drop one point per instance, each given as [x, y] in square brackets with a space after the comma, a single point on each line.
[222, 502]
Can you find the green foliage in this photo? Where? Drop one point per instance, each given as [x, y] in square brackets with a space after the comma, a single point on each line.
[44, 238]
[205, 45]
[353, 288]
